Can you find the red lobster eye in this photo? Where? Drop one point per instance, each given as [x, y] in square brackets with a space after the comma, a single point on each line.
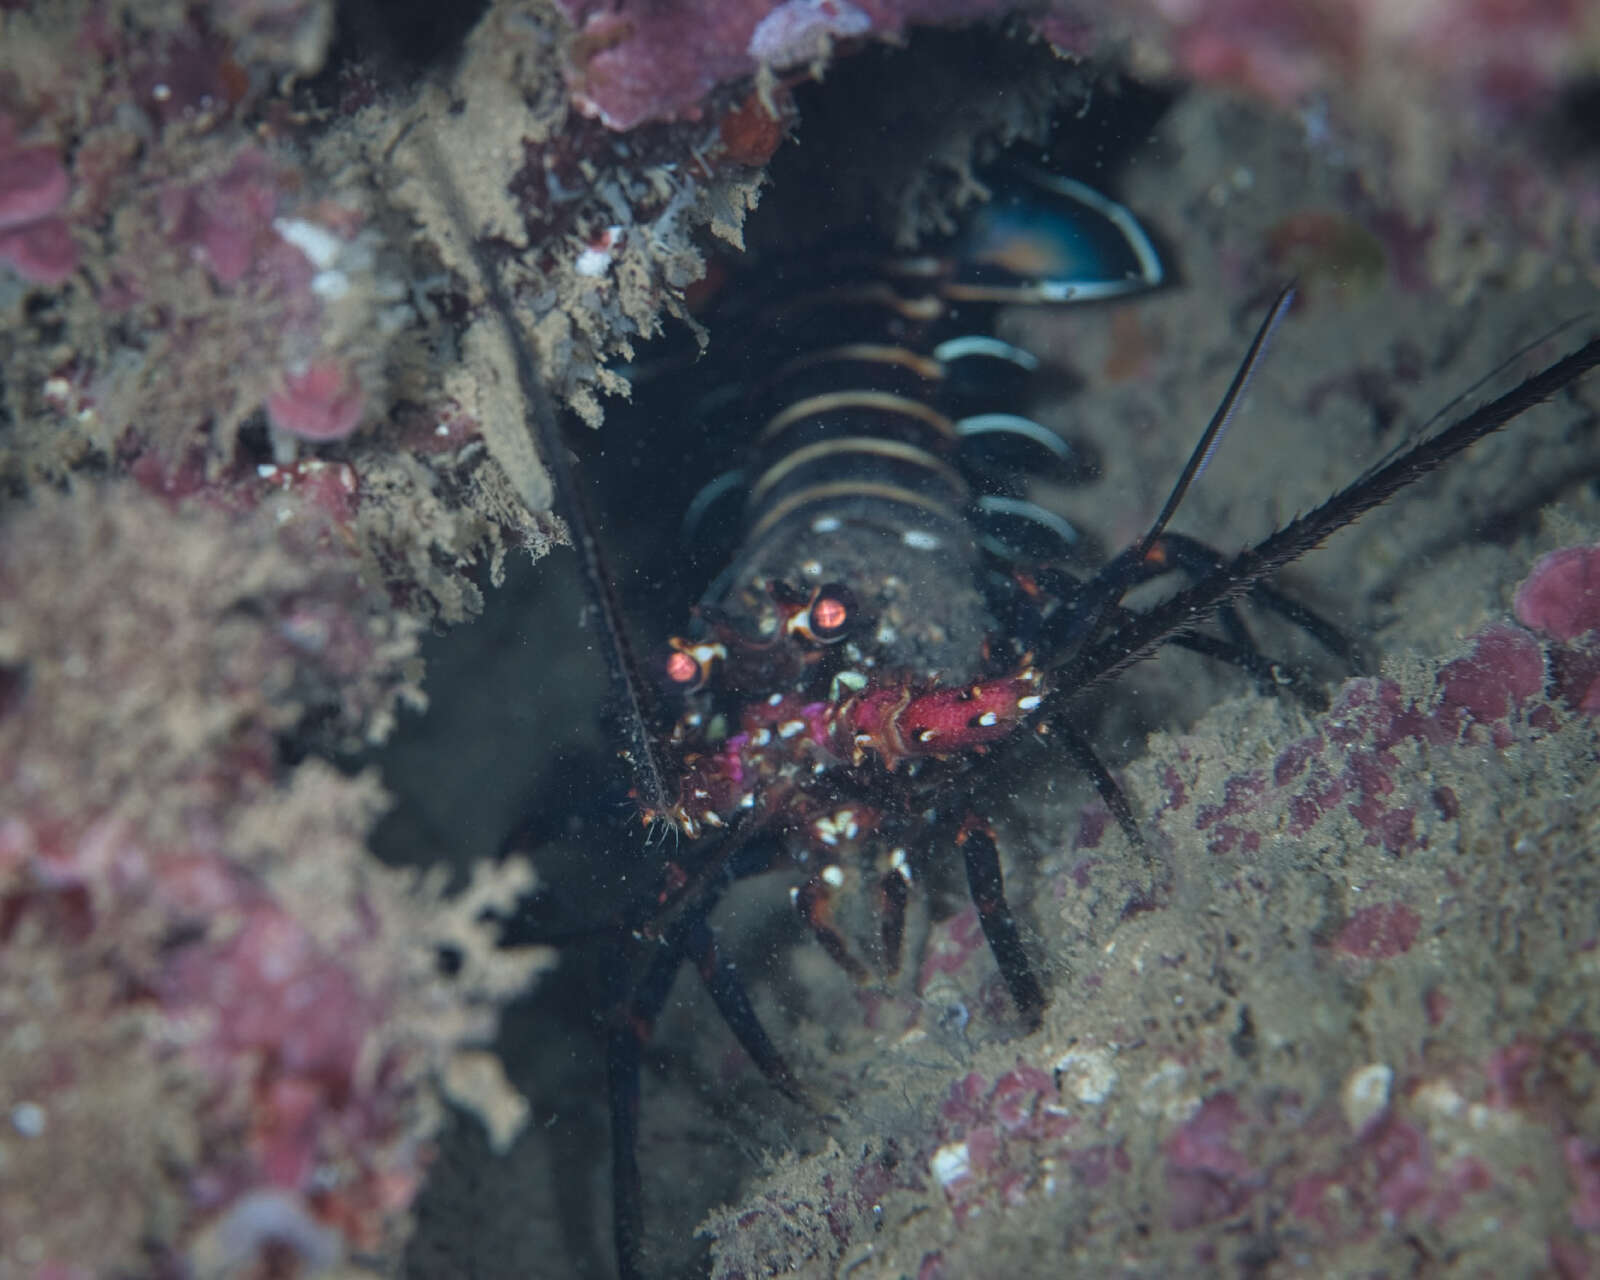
[833, 613]
[691, 663]
[684, 671]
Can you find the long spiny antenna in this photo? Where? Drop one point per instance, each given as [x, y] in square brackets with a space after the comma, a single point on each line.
[1100, 595]
[1206, 449]
[1130, 644]
[632, 688]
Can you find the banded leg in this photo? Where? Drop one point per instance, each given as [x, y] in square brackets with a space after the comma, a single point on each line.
[999, 927]
[814, 902]
[1102, 594]
[1196, 559]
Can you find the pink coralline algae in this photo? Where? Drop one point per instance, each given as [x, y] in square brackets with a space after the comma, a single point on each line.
[34, 240]
[1379, 932]
[800, 31]
[1392, 1170]
[1504, 671]
[1561, 599]
[1003, 1141]
[639, 61]
[636, 61]
[265, 1012]
[1562, 594]
[1403, 1105]
[1583, 1167]
[1414, 1164]
[324, 402]
[227, 222]
[1349, 764]
[950, 945]
[1439, 107]
[209, 991]
[1499, 60]
[1207, 1177]
[997, 1144]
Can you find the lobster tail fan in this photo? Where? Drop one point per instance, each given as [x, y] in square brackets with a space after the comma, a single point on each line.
[1047, 239]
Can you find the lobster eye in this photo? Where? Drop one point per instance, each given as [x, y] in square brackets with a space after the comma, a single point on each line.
[833, 612]
[691, 663]
[683, 670]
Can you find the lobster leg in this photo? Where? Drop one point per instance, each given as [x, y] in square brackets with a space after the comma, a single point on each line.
[688, 938]
[989, 897]
[1197, 559]
[727, 991]
[1104, 660]
[1102, 594]
[1085, 759]
[1274, 677]
[1178, 551]
[894, 891]
[813, 901]
[624, 1049]
[1236, 650]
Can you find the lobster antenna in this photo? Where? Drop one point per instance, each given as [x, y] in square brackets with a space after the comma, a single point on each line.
[1200, 459]
[1466, 393]
[1136, 641]
[1123, 571]
[568, 502]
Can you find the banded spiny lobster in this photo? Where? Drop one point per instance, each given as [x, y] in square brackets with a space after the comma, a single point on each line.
[892, 608]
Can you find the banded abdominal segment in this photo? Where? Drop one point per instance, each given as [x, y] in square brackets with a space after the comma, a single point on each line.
[885, 444]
